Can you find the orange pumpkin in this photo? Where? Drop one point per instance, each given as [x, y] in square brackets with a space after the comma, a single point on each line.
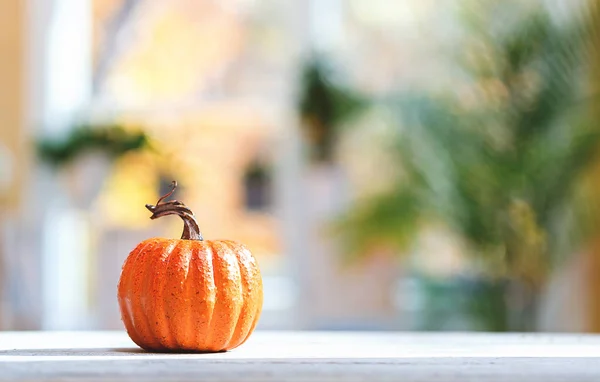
[189, 294]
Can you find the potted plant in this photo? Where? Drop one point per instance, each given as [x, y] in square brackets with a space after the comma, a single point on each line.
[496, 159]
[85, 154]
[325, 104]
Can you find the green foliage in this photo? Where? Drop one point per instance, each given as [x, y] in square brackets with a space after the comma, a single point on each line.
[112, 140]
[324, 105]
[497, 158]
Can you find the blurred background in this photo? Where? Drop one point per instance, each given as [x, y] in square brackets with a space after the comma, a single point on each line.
[393, 165]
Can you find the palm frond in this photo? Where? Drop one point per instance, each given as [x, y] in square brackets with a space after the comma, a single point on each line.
[457, 170]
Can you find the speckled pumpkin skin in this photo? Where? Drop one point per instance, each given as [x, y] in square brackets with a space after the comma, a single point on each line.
[190, 295]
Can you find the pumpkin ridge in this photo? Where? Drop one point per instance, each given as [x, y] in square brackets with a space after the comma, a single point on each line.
[170, 341]
[185, 320]
[259, 303]
[254, 284]
[211, 250]
[242, 284]
[222, 312]
[143, 292]
[194, 283]
[122, 287]
[229, 291]
[256, 318]
[124, 291]
[143, 324]
[156, 269]
[202, 302]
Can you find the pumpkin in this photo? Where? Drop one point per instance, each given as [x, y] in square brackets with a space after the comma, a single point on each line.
[189, 294]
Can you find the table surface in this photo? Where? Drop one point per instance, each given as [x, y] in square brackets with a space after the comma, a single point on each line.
[297, 356]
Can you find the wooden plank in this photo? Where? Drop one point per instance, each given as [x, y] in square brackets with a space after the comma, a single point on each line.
[294, 356]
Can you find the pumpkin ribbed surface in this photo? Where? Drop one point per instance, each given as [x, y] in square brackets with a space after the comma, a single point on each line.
[190, 295]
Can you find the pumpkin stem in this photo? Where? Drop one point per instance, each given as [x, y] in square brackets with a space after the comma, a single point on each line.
[191, 231]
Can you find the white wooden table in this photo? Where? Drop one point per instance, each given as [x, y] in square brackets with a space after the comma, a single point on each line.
[296, 356]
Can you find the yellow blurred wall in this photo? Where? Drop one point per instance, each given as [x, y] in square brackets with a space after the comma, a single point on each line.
[12, 97]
